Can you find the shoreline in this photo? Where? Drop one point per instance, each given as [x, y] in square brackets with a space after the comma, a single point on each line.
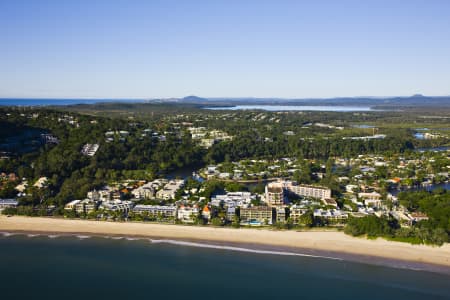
[319, 244]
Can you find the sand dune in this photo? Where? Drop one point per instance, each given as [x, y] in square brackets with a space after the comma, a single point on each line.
[320, 241]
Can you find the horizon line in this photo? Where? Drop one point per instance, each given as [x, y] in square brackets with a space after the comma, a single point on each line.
[221, 97]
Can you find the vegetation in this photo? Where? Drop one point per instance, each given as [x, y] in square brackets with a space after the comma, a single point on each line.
[147, 141]
[435, 230]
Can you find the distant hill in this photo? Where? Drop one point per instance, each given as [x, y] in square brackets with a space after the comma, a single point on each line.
[194, 99]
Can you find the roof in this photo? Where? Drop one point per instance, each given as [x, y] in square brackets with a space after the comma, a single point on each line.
[9, 201]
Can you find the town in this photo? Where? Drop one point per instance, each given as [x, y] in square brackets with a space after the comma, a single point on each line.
[283, 202]
[131, 170]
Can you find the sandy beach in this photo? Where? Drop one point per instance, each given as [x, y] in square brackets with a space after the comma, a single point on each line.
[324, 242]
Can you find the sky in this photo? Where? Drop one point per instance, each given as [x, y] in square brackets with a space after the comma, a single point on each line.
[279, 48]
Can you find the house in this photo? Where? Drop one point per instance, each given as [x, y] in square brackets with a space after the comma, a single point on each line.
[224, 175]
[22, 187]
[41, 182]
[71, 205]
[207, 143]
[211, 170]
[350, 188]
[418, 216]
[402, 217]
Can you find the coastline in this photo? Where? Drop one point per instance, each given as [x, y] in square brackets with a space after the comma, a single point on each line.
[323, 244]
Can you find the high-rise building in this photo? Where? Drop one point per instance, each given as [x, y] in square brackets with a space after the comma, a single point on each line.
[275, 194]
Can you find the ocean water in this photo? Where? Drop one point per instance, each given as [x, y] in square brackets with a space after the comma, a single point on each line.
[43, 267]
[47, 102]
[83, 267]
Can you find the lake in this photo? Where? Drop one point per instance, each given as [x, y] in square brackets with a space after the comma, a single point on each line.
[296, 108]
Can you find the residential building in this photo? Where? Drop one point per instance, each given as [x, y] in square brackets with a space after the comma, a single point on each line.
[233, 199]
[281, 215]
[71, 205]
[41, 182]
[330, 202]
[187, 214]
[256, 215]
[6, 203]
[117, 205]
[147, 191]
[104, 194]
[274, 193]
[89, 149]
[85, 206]
[231, 213]
[295, 212]
[334, 216]
[170, 189]
[371, 199]
[22, 187]
[157, 211]
[309, 190]
[418, 216]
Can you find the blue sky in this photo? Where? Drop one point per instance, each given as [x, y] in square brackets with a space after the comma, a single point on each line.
[293, 49]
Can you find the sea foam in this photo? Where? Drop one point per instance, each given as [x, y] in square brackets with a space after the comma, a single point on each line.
[7, 234]
[239, 249]
[31, 235]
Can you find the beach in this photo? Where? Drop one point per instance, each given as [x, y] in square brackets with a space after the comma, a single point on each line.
[330, 243]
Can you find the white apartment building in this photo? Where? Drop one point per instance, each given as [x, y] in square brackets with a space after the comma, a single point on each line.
[170, 189]
[309, 191]
[187, 214]
[165, 212]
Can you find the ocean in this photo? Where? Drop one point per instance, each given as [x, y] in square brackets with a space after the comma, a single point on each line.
[57, 267]
[48, 102]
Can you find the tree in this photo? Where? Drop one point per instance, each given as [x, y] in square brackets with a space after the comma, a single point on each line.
[307, 219]
[236, 223]
[216, 222]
